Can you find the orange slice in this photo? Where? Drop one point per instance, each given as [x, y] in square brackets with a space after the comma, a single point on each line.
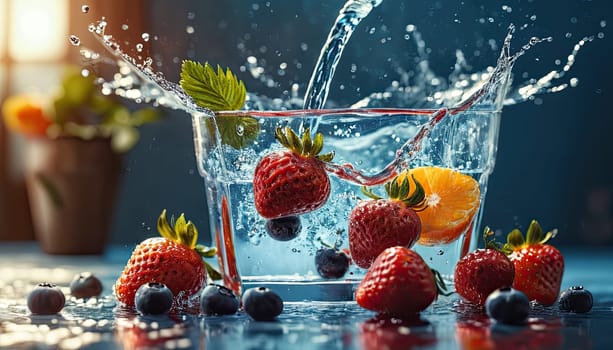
[452, 200]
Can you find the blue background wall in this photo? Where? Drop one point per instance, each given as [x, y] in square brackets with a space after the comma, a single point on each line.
[554, 158]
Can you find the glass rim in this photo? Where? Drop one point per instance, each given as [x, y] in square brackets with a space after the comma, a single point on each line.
[354, 111]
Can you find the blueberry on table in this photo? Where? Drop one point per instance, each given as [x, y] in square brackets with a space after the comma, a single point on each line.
[85, 285]
[331, 263]
[508, 305]
[284, 229]
[262, 304]
[153, 299]
[218, 300]
[46, 299]
[576, 299]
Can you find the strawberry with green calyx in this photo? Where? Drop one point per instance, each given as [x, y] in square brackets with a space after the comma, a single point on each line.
[293, 181]
[173, 259]
[538, 266]
[377, 224]
[399, 283]
[220, 91]
[482, 271]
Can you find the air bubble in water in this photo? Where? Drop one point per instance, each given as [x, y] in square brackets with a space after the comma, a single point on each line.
[85, 9]
[440, 252]
[75, 40]
[139, 47]
[189, 30]
[145, 36]
[85, 73]
[240, 130]
[603, 23]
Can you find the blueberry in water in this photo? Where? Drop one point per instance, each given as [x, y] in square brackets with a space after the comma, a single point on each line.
[153, 299]
[218, 300]
[285, 228]
[46, 299]
[262, 304]
[85, 285]
[508, 305]
[576, 299]
[331, 263]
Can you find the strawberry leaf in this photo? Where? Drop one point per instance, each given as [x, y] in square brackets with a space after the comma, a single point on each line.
[220, 91]
[515, 240]
[212, 272]
[217, 91]
[164, 227]
[534, 233]
[205, 252]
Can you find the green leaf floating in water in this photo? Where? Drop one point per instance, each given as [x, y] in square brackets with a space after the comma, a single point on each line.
[220, 91]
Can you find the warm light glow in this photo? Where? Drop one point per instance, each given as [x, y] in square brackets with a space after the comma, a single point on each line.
[2, 29]
[38, 30]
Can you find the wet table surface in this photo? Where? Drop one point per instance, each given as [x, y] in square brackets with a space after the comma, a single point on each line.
[449, 324]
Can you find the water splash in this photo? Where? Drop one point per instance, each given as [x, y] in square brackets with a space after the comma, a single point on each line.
[348, 19]
[461, 91]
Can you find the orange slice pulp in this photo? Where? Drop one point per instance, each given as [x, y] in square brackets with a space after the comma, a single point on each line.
[452, 200]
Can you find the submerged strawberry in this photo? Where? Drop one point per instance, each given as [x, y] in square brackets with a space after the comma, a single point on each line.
[293, 181]
[377, 224]
[399, 283]
[173, 259]
[538, 266]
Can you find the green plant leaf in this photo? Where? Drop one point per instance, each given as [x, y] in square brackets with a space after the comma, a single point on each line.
[238, 132]
[215, 90]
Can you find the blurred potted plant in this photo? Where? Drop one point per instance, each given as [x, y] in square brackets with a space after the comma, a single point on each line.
[73, 160]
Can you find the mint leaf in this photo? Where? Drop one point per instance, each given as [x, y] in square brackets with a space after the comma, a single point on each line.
[217, 91]
[220, 91]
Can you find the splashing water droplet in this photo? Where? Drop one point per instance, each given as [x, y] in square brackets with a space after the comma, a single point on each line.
[139, 47]
[85, 9]
[74, 40]
[85, 73]
[189, 30]
[145, 36]
[440, 252]
[125, 27]
[240, 130]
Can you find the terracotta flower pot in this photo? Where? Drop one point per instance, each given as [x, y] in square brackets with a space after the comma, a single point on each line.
[72, 185]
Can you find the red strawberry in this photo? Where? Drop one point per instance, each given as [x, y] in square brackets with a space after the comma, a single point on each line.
[375, 225]
[399, 283]
[293, 181]
[538, 266]
[173, 259]
[481, 272]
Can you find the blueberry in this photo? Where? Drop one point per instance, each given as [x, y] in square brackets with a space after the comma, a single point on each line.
[46, 299]
[576, 299]
[85, 285]
[153, 299]
[262, 304]
[331, 263]
[507, 305]
[218, 300]
[285, 228]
